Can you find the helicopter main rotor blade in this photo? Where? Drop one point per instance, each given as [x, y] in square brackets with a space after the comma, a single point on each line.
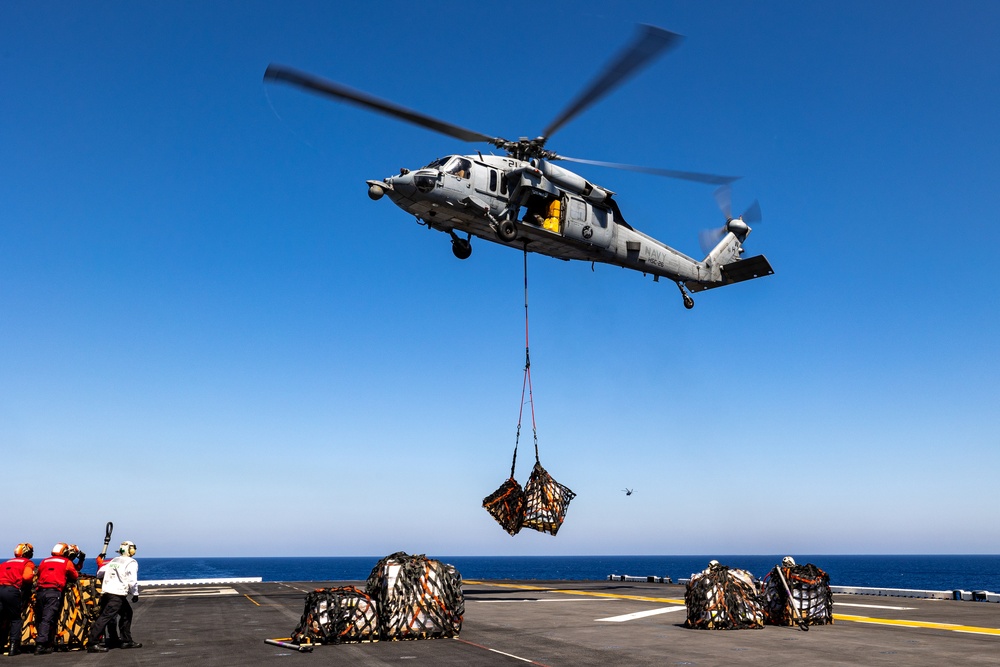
[650, 43]
[724, 198]
[698, 177]
[331, 89]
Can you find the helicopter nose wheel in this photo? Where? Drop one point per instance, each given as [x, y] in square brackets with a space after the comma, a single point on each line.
[688, 301]
[461, 248]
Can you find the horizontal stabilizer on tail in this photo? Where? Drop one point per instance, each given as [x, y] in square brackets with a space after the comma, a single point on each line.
[736, 272]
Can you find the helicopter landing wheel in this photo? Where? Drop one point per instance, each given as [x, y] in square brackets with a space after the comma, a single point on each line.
[506, 231]
[461, 248]
[688, 301]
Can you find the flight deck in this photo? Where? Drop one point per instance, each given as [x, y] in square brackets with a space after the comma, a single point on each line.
[555, 623]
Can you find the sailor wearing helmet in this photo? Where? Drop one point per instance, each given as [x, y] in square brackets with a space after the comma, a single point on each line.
[120, 580]
[54, 573]
[15, 589]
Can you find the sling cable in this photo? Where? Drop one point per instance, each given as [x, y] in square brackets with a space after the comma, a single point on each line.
[541, 504]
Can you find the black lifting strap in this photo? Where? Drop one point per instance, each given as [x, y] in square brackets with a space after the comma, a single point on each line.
[526, 384]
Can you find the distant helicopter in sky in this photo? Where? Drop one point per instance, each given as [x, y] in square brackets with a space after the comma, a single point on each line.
[523, 200]
[628, 491]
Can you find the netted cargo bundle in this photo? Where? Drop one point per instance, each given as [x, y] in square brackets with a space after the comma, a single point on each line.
[722, 598]
[337, 616]
[506, 505]
[545, 502]
[79, 610]
[417, 597]
[811, 595]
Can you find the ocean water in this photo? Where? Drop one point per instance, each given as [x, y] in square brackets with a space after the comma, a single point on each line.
[975, 572]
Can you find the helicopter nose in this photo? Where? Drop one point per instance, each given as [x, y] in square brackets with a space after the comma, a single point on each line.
[403, 184]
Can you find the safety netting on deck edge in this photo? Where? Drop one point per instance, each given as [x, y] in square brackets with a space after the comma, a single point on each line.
[811, 595]
[417, 597]
[337, 616]
[723, 598]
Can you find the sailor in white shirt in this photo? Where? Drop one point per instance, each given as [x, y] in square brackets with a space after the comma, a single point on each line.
[120, 580]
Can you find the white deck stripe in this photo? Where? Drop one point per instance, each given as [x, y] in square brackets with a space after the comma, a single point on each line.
[640, 614]
[870, 606]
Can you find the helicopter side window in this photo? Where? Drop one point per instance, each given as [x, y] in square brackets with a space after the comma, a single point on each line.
[577, 210]
[438, 163]
[493, 180]
[460, 168]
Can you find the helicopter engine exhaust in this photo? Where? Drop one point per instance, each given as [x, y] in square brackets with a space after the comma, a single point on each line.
[573, 182]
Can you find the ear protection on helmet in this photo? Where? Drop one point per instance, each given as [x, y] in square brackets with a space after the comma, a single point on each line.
[127, 548]
[24, 550]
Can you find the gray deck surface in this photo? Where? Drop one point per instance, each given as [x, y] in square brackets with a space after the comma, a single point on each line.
[549, 623]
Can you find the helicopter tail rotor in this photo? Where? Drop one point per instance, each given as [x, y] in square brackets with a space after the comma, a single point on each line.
[740, 226]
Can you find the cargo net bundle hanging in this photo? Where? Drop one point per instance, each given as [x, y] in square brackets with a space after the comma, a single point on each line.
[541, 505]
[406, 597]
[723, 598]
[811, 595]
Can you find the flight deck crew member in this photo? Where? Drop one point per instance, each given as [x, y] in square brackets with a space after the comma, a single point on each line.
[15, 589]
[111, 638]
[54, 573]
[121, 580]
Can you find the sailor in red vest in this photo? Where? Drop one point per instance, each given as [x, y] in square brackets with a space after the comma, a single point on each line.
[15, 590]
[54, 573]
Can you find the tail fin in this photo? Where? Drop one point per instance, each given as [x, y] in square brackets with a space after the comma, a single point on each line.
[727, 267]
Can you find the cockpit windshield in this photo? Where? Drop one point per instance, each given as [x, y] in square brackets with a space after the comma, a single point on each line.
[455, 165]
[438, 163]
[459, 167]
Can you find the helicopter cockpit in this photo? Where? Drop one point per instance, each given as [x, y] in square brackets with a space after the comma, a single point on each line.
[455, 165]
[426, 178]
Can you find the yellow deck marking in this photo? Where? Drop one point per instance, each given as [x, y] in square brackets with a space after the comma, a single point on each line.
[919, 624]
[952, 627]
[251, 599]
[593, 594]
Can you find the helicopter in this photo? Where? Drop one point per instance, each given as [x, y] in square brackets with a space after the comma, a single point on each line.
[523, 200]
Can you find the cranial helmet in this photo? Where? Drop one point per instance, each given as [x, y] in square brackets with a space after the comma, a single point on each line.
[127, 548]
[60, 549]
[788, 561]
[24, 550]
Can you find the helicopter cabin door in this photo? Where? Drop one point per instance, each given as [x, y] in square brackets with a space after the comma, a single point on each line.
[585, 222]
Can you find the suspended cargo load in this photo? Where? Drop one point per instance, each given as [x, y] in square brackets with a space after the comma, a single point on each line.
[811, 596]
[506, 505]
[341, 615]
[416, 597]
[723, 598]
[541, 504]
[545, 501]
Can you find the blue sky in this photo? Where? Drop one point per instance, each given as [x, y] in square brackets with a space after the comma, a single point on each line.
[211, 336]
